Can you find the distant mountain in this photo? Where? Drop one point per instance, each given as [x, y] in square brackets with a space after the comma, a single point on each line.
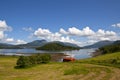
[33, 44]
[99, 44]
[36, 43]
[39, 43]
[7, 46]
[116, 42]
[57, 46]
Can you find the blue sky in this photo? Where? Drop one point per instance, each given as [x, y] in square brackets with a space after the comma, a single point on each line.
[77, 21]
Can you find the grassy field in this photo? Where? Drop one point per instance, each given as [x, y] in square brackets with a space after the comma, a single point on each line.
[87, 69]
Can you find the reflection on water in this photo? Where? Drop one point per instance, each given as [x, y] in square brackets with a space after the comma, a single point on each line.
[78, 54]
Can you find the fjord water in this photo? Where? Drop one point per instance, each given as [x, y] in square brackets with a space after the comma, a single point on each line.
[78, 54]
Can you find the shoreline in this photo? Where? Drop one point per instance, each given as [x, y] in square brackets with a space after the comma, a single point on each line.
[55, 57]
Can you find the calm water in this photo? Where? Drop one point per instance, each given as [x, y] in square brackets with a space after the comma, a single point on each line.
[78, 54]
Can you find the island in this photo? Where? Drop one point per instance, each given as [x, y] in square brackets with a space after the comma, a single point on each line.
[56, 47]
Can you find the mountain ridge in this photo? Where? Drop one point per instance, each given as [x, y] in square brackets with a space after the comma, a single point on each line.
[100, 44]
[34, 44]
[39, 43]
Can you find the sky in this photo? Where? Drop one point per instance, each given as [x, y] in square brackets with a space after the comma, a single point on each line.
[82, 22]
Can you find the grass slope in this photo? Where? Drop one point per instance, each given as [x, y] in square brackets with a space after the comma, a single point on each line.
[80, 70]
[111, 59]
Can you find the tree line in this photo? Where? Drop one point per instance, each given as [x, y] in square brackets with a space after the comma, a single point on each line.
[110, 48]
[29, 61]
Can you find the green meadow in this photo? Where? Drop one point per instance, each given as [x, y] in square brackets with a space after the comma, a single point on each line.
[104, 67]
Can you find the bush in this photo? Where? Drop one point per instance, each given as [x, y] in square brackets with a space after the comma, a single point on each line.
[42, 58]
[28, 61]
[45, 58]
[23, 62]
[33, 60]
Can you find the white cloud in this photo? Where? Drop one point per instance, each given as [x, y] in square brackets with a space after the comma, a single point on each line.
[74, 31]
[72, 35]
[116, 25]
[90, 36]
[54, 36]
[1, 35]
[62, 31]
[103, 35]
[4, 26]
[77, 32]
[68, 39]
[46, 34]
[101, 32]
[13, 41]
[28, 29]
[20, 42]
[42, 33]
[9, 40]
[87, 32]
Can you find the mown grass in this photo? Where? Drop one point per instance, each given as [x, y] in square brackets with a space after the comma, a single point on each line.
[80, 70]
[76, 70]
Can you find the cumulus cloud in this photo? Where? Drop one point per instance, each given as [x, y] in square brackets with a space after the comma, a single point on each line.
[89, 33]
[62, 31]
[77, 32]
[54, 36]
[42, 33]
[4, 27]
[47, 34]
[68, 39]
[116, 25]
[74, 33]
[104, 35]
[3, 37]
[101, 32]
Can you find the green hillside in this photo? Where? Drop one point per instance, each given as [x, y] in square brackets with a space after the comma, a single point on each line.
[110, 48]
[112, 59]
[86, 69]
[56, 47]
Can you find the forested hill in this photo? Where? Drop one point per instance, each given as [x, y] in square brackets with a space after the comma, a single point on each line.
[52, 46]
[115, 47]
